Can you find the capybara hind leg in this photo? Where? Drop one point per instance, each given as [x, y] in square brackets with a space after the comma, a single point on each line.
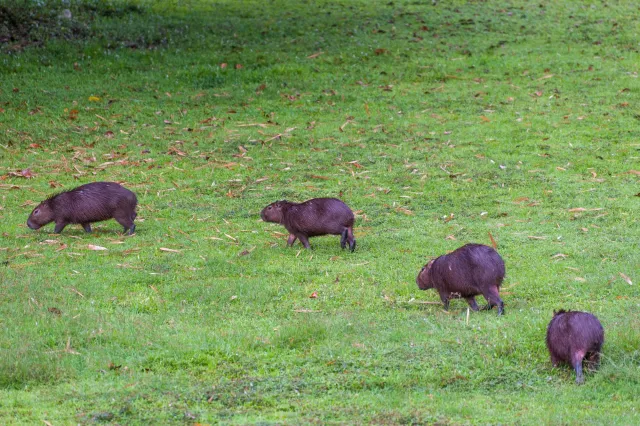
[472, 303]
[59, 227]
[576, 362]
[292, 239]
[304, 240]
[87, 227]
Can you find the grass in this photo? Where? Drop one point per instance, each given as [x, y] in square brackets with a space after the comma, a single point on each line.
[438, 124]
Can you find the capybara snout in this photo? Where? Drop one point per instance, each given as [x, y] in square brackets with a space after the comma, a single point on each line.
[471, 270]
[315, 217]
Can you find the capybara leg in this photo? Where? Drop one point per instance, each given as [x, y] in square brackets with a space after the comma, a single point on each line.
[593, 361]
[343, 238]
[351, 239]
[292, 239]
[304, 240]
[554, 360]
[493, 298]
[87, 227]
[59, 227]
[131, 230]
[576, 362]
[472, 303]
[445, 302]
[126, 222]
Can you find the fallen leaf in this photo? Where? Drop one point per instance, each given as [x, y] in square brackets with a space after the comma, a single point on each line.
[634, 172]
[485, 119]
[315, 55]
[94, 247]
[93, 99]
[169, 250]
[493, 242]
[626, 278]
[313, 295]
[55, 311]
[239, 66]
[108, 134]
[223, 65]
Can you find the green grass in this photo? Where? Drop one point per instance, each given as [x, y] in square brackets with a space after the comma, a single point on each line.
[438, 124]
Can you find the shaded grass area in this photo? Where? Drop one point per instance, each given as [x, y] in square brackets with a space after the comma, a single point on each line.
[437, 124]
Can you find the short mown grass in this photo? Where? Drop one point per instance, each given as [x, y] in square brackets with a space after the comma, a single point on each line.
[439, 124]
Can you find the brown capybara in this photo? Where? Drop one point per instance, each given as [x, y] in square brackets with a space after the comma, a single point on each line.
[315, 217]
[471, 270]
[573, 336]
[93, 202]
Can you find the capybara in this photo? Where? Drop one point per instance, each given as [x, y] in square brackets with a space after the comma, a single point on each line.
[573, 336]
[318, 216]
[471, 270]
[93, 202]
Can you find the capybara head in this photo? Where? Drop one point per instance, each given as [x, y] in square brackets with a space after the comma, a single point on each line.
[424, 278]
[40, 216]
[273, 212]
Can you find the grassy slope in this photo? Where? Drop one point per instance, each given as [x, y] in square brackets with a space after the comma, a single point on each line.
[503, 115]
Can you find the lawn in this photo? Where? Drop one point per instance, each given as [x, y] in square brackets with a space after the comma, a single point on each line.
[438, 123]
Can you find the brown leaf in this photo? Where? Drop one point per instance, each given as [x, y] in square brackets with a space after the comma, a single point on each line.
[26, 173]
[34, 146]
[449, 237]
[634, 172]
[94, 247]
[485, 119]
[315, 55]
[239, 66]
[55, 311]
[314, 295]
[223, 65]
[379, 52]
[109, 134]
[493, 242]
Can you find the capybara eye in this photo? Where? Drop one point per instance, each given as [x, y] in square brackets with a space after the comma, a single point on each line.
[269, 208]
[36, 211]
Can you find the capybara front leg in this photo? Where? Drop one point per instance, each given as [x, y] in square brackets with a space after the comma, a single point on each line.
[304, 240]
[576, 361]
[351, 239]
[593, 361]
[472, 303]
[87, 227]
[493, 298]
[59, 227]
[292, 239]
[126, 223]
[343, 238]
[445, 301]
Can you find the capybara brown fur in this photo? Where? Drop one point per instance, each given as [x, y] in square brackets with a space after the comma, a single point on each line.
[573, 336]
[471, 270]
[93, 202]
[315, 217]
